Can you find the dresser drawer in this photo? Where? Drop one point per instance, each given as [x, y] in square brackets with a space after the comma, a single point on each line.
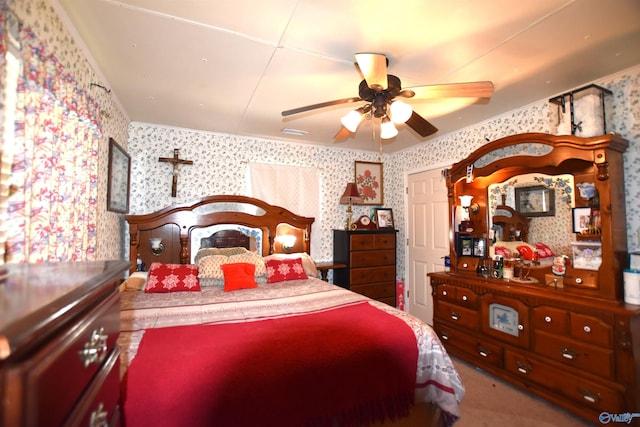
[446, 292]
[376, 291]
[583, 392]
[359, 276]
[57, 375]
[454, 339]
[596, 360]
[458, 315]
[590, 329]
[550, 319]
[372, 241]
[372, 258]
[467, 298]
[100, 404]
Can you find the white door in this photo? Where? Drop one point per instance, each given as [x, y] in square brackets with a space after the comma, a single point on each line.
[428, 237]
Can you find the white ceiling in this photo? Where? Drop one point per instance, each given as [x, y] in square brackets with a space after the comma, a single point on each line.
[233, 66]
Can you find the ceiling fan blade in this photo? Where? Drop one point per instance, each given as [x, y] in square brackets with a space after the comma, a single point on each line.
[454, 90]
[420, 125]
[373, 67]
[342, 134]
[320, 105]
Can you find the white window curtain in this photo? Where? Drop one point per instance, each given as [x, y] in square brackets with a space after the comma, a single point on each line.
[292, 187]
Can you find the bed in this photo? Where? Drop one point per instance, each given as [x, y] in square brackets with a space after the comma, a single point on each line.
[232, 326]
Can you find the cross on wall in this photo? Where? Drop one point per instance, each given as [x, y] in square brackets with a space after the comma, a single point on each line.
[176, 161]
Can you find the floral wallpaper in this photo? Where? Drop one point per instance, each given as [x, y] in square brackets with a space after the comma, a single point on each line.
[220, 161]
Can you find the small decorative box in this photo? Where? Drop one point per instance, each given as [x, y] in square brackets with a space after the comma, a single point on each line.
[587, 255]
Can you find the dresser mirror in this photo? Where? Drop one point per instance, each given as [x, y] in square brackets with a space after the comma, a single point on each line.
[556, 230]
[576, 175]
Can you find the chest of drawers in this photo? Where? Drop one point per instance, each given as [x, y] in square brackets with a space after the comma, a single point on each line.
[580, 353]
[59, 362]
[370, 257]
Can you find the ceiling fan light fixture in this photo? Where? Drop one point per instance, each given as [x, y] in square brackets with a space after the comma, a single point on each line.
[400, 111]
[387, 129]
[352, 120]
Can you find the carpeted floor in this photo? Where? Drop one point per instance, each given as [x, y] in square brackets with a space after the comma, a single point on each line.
[492, 402]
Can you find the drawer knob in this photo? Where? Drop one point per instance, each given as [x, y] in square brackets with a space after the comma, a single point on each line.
[95, 349]
[465, 265]
[521, 327]
[455, 315]
[99, 417]
[568, 354]
[464, 298]
[589, 396]
[444, 336]
[547, 319]
[444, 293]
[587, 329]
[523, 368]
[578, 280]
[483, 352]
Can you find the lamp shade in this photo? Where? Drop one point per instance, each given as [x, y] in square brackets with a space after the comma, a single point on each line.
[352, 120]
[351, 195]
[400, 111]
[387, 129]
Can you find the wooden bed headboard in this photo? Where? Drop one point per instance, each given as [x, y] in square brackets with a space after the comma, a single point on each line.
[176, 224]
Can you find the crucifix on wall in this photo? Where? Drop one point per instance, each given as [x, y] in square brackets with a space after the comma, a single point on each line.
[176, 161]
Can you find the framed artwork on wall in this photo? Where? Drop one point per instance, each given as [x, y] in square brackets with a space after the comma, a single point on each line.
[119, 176]
[535, 201]
[368, 178]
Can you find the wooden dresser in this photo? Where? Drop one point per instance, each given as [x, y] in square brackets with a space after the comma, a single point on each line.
[576, 352]
[566, 335]
[370, 257]
[59, 361]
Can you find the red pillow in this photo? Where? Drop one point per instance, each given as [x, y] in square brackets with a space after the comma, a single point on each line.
[239, 275]
[543, 250]
[280, 270]
[172, 278]
[503, 251]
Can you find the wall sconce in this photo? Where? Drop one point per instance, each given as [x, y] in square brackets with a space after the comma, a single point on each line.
[156, 245]
[287, 241]
[465, 202]
[351, 196]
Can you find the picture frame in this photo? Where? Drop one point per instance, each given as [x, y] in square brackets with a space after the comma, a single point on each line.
[119, 177]
[466, 246]
[582, 218]
[535, 201]
[479, 247]
[368, 179]
[384, 218]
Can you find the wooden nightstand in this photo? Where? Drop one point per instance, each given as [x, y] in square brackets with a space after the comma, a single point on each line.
[324, 267]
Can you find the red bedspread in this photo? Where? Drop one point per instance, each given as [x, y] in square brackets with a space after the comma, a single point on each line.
[355, 363]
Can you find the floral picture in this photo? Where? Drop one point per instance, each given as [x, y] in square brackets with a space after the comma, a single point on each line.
[368, 177]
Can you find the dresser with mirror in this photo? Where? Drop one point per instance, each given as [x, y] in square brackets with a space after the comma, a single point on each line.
[535, 292]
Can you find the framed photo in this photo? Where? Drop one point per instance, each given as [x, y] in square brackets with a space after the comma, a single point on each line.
[384, 218]
[466, 246]
[581, 220]
[479, 248]
[535, 201]
[368, 179]
[119, 177]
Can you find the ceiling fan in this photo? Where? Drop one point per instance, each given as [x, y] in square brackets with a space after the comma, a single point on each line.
[379, 91]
